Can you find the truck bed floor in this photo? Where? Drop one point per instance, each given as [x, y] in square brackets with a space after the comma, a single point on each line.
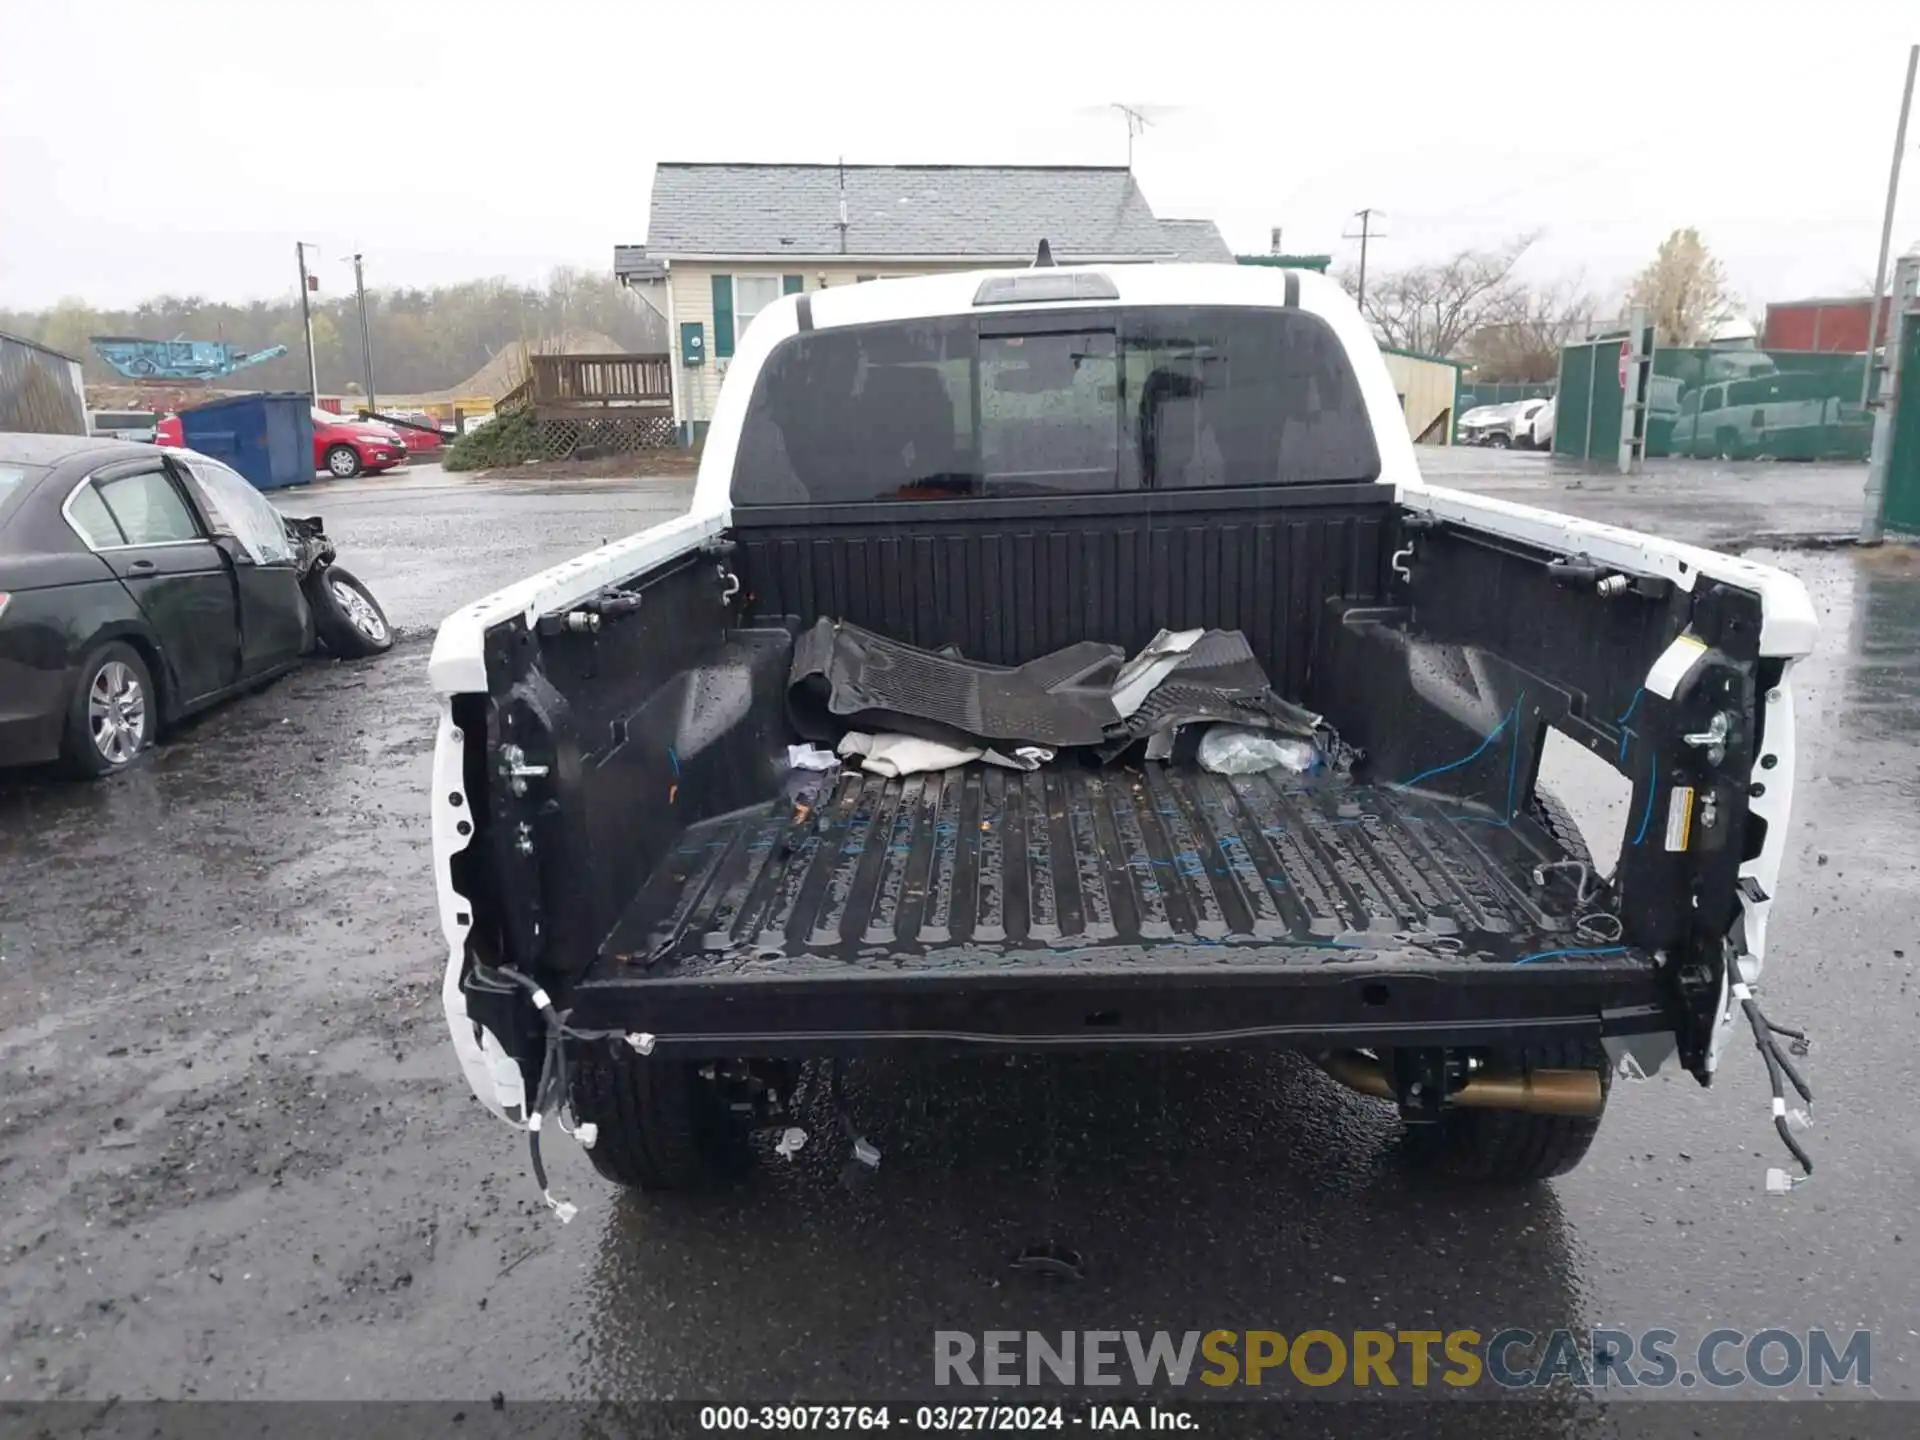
[985, 868]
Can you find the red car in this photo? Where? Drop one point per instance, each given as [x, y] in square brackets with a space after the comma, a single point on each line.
[422, 436]
[341, 447]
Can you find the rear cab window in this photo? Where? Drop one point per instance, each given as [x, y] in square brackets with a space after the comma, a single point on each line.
[1054, 402]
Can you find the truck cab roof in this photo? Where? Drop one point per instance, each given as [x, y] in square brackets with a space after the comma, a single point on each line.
[1121, 288]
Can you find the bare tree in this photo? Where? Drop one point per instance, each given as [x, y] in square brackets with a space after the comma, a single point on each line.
[1433, 308]
[1524, 337]
[1684, 290]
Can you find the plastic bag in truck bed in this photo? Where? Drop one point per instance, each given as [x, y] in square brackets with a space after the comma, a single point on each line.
[845, 678]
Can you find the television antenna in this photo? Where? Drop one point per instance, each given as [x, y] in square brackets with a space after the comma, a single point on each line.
[1140, 117]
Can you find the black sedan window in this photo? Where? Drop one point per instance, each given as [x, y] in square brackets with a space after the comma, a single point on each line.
[149, 509]
[238, 509]
[93, 520]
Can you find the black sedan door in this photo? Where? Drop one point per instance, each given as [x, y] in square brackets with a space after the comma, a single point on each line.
[179, 577]
[274, 617]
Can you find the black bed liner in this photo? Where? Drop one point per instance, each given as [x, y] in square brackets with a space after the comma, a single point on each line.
[982, 869]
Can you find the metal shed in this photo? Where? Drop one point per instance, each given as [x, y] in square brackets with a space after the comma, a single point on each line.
[1429, 391]
[40, 389]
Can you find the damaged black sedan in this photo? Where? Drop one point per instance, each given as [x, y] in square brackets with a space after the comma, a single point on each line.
[138, 586]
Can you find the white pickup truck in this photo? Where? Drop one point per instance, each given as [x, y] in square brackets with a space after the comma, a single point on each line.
[952, 507]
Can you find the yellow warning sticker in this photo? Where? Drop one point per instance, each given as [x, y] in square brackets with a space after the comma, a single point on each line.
[1680, 817]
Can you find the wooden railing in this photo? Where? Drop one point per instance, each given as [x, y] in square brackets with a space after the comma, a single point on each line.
[519, 397]
[583, 380]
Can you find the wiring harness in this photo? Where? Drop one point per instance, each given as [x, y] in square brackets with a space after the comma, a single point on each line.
[556, 1093]
[1780, 1067]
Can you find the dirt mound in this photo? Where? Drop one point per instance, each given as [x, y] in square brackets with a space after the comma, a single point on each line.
[508, 367]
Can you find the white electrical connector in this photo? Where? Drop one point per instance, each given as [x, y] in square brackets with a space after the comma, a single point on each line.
[791, 1142]
[1779, 1182]
[586, 1134]
[866, 1153]
[642, 1042]
[565, 1209]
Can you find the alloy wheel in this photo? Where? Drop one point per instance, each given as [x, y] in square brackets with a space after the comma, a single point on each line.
[360, 611]
[117, 712]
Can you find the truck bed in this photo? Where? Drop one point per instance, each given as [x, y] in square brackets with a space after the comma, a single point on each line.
[985, 869]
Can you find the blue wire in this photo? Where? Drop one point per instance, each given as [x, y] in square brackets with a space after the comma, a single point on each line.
[1480, 749]
[1624, 716]
[1550, 954]
[1653, 784]
[1513, 760]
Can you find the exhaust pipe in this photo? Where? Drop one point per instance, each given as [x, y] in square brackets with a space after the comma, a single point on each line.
[1541, 1092]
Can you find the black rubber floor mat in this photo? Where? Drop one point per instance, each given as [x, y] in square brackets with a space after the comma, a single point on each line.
[1218, 680]
[844, 677]
[1222, 660]
[1176, 703]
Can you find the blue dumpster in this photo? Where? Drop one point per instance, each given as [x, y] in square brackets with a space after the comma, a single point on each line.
[267, 438]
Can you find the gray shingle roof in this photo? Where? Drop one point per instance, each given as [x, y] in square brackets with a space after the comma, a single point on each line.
[1198, 240]
[986, 211]
[633, 262]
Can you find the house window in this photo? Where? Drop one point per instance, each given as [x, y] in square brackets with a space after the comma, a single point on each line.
[751, 295]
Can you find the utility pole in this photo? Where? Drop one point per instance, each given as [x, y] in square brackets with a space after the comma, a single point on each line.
[1367, 232]
[1886, 225]
[306, 319]
[366, 336]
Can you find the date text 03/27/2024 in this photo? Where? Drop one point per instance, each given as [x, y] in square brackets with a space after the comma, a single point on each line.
[942, 1418]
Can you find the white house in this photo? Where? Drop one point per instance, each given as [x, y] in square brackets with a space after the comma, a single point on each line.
[725, 240]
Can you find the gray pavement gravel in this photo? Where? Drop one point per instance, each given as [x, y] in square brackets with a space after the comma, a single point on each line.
[237, 1160]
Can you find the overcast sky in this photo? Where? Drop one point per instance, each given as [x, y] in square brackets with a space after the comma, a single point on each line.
[184, 147]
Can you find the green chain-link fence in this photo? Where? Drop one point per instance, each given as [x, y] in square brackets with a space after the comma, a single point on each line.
[1708, 403]
[1758, 405]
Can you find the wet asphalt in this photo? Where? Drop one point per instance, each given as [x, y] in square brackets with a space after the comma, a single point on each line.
[237, 1160]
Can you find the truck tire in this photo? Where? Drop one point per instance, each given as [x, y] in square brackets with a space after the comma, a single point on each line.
[661, 1126]
[1512, 1147]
